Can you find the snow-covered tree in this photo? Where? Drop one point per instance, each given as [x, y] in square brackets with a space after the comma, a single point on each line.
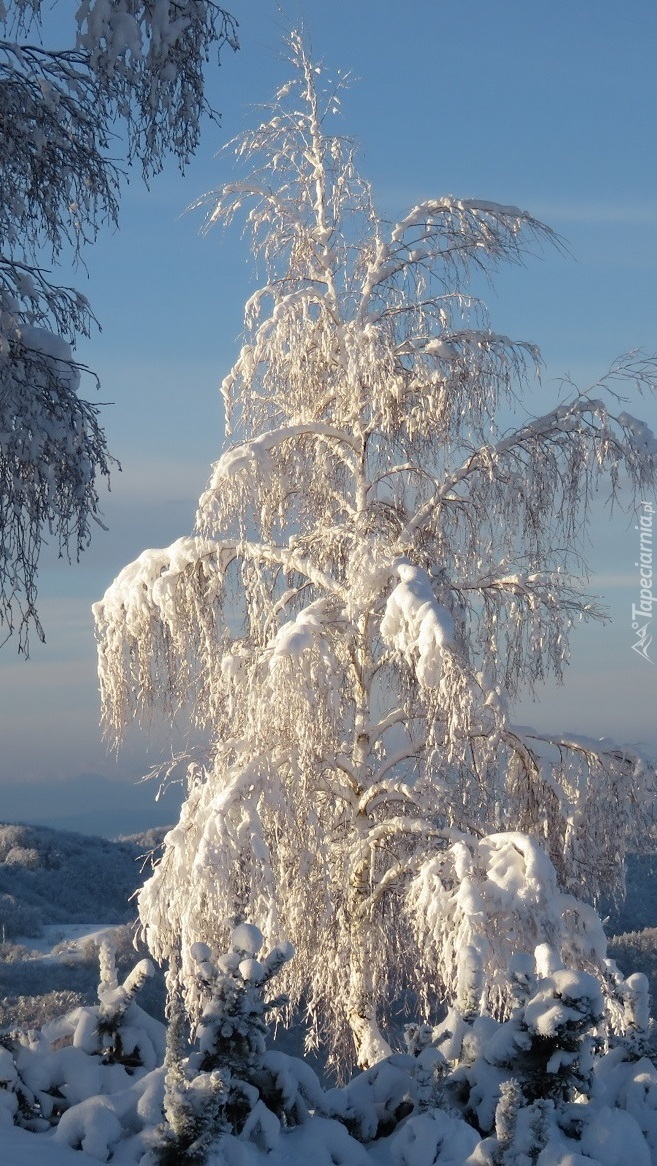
[227, 1085]
[383, 561]
[134, 66]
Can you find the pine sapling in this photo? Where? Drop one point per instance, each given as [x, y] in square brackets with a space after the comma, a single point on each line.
[219, 1087]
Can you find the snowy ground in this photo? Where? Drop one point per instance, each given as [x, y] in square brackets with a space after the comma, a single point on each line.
[322, 1143]
[64, 939]
[19, 1148]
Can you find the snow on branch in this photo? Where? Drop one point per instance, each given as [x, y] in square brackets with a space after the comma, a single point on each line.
[264, 472]
[580, 784]
[300, 635]
[148, 58]
[135, 66]
[499, 896]
[253, 454]
[416, 625]
[422, 631]
[524, 618]
[156, 630]
[451, 378]
[556, 462]
[452, 233]
[201, 859]
[453, 345]
[52, 453]
[53, 114]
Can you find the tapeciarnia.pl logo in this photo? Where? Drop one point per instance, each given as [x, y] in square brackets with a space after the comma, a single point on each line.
[640, 623]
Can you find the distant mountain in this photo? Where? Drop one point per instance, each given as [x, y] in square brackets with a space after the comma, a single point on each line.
[90, 804]
[55, 876]
[50, 875]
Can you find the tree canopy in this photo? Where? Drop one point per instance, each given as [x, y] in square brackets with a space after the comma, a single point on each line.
[134, 75]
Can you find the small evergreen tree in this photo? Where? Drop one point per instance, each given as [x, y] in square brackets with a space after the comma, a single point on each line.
[119, 1041]
[223, 1086]
[88, 1050]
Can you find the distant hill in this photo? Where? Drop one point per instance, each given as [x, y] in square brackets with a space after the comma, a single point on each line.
[639, 908]
[55, 876]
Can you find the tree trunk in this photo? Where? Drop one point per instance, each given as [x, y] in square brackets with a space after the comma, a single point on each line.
[371, 1045]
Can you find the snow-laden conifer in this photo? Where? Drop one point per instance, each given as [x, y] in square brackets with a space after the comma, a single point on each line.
[225, 1086]
[387, 553]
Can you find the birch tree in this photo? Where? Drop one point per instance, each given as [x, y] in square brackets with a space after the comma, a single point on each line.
[136, 67]
[380, 567]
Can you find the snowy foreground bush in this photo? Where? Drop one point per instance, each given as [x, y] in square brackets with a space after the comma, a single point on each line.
[556, 1072]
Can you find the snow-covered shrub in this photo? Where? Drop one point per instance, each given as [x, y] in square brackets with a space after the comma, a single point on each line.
[537, 1084]
[28, 1012]
[374, 1102]
[12, 953]
[118, 1124]
[18, 1102]
[434, 1138]
[24, 856]
[123, 1033]
[478, 905]
[547, 1047]
[35, 990]
[85, 1053]
[561, 1075]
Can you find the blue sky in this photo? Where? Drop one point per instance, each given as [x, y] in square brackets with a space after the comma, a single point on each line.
[551, 106]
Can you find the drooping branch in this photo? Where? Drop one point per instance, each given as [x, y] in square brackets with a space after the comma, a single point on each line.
[137, 67]
[52, 450]
[450, 235]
